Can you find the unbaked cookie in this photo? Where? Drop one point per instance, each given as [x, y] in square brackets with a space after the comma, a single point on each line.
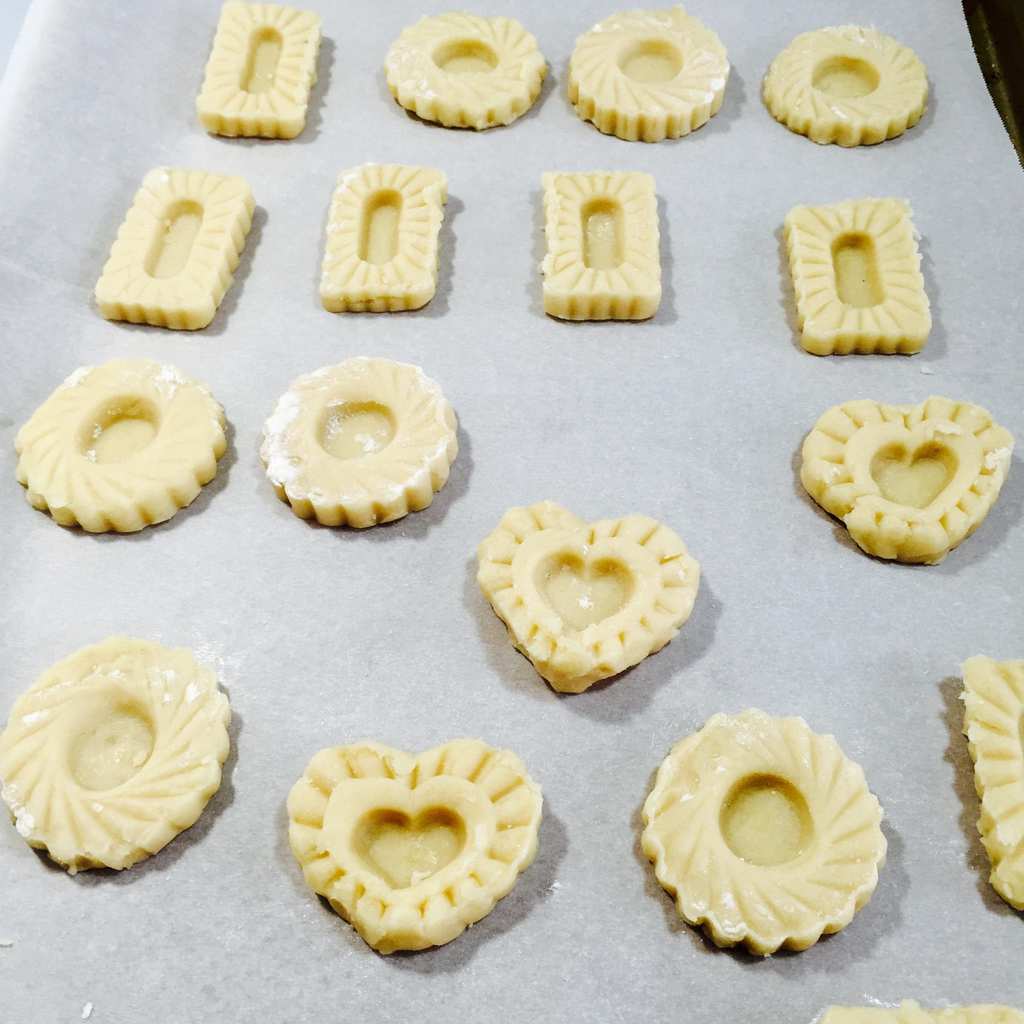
[120, 446]
[994, 725]
[464, 71]
[851, 85]
[413, 849]
[113, 751]
[360, 443]
[910, 1012]
[910, 482]
[764, 832]
[586, 601]
[648, 75]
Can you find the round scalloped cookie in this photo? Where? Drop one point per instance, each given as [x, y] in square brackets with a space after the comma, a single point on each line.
[764, 832]
[465, 71]
[850, 85]
[114, 751]
[120, 446]
[648, 75]
[364, 442]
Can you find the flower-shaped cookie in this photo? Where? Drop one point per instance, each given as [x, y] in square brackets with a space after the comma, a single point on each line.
[114, 751]
[764, 832]
[910, 1012]
[585, 602]
[910, 482]
[648, 75]
[994, 725]
[412, 849]
[464, 71]
[360, 443]
[120, 446]
[851, 85]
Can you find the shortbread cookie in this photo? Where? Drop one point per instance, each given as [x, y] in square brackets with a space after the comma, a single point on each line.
[586, 601]
[848, 84]
[120, 446]
[648, 75]
[994, 725]
[764, 832]
[602, 259]
[464, 71]
[909, 482]
[857, 277]
[360, 443]
[382, 230]
[112, 752]
[413, 849]
[176, 250]
[260, 71]
[910, 1012]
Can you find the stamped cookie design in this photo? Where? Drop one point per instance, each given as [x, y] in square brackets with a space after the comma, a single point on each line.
[112, 752]
[910, 1012]
[176, 250]
[409, 849]
[586, 601]
[764, 832]
[857, 278]
[260, 71]
[850, 85]
[910, 482]
[120, 446]
[648, 75]
[464, 71]
[994, 725]
[360, 443]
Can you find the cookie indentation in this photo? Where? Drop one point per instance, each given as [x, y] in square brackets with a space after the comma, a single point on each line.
[378, 239]
[350, 430]
[264, 55]
[465, 56]
[651, 60]
[584, 592]
[121, 428]
[765, 820]
[404, 851]
[845, 78]
[115, 743]
[174, 238]
[913, 478]
[602, 234]
[855, 265]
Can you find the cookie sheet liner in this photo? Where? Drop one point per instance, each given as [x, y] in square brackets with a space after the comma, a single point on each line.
[326, 637]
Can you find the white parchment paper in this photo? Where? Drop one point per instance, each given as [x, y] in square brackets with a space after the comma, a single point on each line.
[325, 637]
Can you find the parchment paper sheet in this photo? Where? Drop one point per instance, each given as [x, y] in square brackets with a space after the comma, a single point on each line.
[325, 637]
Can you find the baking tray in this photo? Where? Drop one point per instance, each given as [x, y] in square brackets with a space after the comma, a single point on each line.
[326, 636]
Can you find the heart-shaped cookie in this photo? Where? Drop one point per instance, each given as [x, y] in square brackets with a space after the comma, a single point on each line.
[585, 602]
[412, 849]
[909, 481]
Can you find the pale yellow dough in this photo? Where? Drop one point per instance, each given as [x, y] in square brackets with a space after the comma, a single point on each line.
[764, 832]
[260, 71]
[113, 751]
[910, 1012]
[851, 85]
[120, 446]
[994, 725]
[648, 75]
[856, 273]
[465, 71]
[910, 482]
[360, 443]
[603, 261]
[413, 849]
[176, 250]
[586, 601]
[382, 238]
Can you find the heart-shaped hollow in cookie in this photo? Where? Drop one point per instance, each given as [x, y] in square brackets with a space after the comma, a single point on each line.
[914, 478]
[411, 850]
[585, 602]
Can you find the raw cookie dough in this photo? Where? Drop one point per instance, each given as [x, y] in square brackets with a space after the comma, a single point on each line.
[413, 849]
[909, 482]
[603, 261]
[856, 273]
[764, 832]
[113, 751]
[848, 84]
[910, 1012]
[994, 726]
[648, 75]
[464, 71]
[586, 601]
[382, 229]
[120, 446]
[175, 253]
[260, 71]
[360, 443]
